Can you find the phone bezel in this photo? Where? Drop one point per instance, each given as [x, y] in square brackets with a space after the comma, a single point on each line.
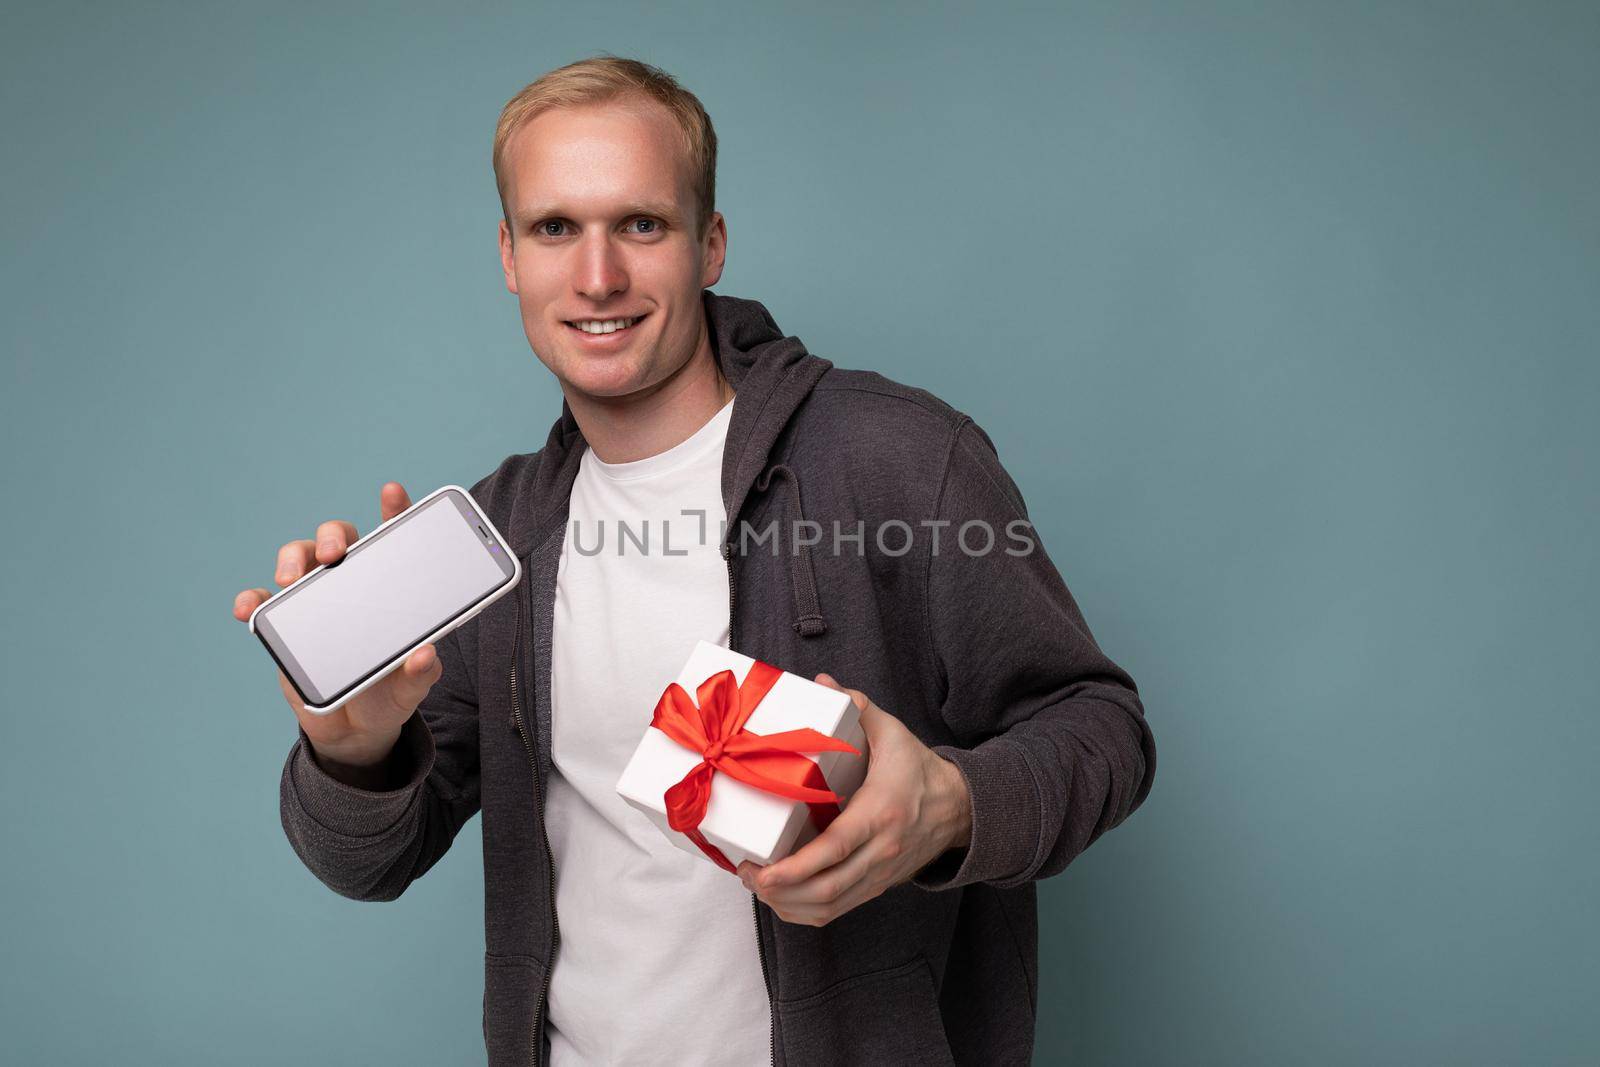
[465, 615]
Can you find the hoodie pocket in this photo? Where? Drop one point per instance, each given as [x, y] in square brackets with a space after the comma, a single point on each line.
[883, 1017]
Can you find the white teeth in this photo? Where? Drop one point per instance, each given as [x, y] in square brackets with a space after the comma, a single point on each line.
[604, 325]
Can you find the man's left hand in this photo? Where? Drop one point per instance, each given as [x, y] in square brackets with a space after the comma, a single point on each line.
[912, 808]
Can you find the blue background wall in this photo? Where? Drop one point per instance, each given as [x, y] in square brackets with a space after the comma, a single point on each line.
[1284, 317]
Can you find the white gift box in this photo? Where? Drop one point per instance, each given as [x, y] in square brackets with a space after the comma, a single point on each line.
[742, 821]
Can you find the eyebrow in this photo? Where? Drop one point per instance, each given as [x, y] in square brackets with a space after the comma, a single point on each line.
[662, 211]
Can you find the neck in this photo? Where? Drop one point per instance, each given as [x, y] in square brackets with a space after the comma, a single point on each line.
[623, 429]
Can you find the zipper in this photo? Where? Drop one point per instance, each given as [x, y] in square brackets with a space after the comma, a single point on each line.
[755, 901]
[536, 1047]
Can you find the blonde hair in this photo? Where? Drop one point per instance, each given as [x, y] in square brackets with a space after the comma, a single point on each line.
[604, 78]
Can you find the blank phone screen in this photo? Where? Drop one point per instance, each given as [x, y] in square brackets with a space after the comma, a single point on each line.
[385, 596]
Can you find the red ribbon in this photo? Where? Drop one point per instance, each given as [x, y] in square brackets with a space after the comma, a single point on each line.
[712, 724]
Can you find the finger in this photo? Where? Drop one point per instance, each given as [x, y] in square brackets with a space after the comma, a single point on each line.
[248, 601]
[856, 695]
[866, 889]
[294, 559]
[409, 684]
[843, 836]
[392, 500]
[827, 886]
[289, 694]
[877, 724]
[875, 872]
[823, 914]
[420, 662]
[333, 538]
[747, 874]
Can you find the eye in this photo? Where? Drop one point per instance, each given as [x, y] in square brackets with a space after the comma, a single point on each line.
[542, 228]
[652, 226]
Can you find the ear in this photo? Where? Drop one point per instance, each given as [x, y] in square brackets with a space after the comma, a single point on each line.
[716, 251]
[508, 262]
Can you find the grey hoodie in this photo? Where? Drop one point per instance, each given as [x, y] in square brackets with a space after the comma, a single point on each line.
[983, 655]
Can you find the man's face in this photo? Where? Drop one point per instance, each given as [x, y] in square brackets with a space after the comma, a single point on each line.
[603, 215]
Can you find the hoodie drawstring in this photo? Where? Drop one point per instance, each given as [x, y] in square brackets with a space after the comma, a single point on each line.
[808, 620]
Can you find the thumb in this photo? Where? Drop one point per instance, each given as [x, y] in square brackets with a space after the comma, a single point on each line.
[856, 695]
[417, 675]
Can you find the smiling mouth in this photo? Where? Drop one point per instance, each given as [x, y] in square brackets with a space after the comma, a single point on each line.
[605, 327]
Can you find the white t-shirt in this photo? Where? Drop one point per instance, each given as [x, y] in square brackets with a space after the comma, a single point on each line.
[658, 961]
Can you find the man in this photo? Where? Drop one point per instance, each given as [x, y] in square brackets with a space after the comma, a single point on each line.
[841, 523]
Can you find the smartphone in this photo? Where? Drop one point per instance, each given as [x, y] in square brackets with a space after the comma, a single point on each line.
[343, 626]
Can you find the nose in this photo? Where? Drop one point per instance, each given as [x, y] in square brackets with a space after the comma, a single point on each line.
[600, 270]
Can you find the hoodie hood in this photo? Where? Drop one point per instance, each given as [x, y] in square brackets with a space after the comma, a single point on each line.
[771, 375]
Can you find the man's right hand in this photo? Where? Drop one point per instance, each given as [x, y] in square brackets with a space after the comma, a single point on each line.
[352, 742]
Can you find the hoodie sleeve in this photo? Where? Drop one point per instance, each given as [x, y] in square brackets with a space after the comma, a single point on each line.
[1051, 735]
[372, 844]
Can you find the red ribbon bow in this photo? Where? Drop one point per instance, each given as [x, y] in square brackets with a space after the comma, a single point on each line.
[714, 727]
